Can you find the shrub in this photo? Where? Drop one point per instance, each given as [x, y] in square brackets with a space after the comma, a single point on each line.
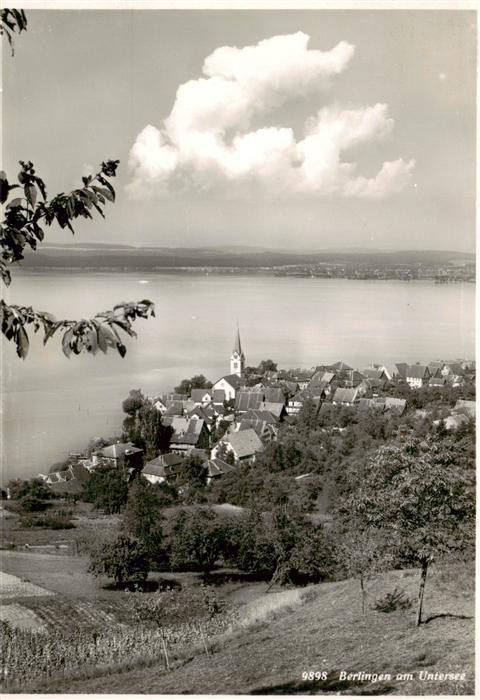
[52, 522]
[396, 600]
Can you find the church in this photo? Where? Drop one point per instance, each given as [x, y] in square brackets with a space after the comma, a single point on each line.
[230, 383]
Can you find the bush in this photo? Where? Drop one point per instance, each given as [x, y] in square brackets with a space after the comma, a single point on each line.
[32, 504]
[396, 600]
[51, 522]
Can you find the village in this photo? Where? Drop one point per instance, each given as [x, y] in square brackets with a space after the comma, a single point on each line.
[229, 423]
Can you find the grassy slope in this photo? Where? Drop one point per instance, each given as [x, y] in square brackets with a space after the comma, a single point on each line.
[327, 632]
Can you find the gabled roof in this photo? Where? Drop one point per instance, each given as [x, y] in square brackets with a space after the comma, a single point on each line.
[244, 400]
[417, 372]
[217, 467]
[174, 408]
[276, 408]
[245, 443]
[163, 465]
[232, 379]
[197, 395]
[401, 369]
[186, 430]
[274, 395]
[372, 373]
[340, 366]
[119, 449]
[257, 414]
[345, 395]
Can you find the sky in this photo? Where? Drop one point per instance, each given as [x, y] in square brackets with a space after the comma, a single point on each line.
[275, 128]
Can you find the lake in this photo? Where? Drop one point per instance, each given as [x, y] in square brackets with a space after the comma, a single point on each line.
[52, 405]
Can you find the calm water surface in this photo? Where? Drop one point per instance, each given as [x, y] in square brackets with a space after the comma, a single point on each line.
[52, 405]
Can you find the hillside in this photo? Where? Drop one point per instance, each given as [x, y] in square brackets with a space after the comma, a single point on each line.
[321, 629]
[101, 256]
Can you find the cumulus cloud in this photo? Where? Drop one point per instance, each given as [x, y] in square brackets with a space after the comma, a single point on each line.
[205, 141]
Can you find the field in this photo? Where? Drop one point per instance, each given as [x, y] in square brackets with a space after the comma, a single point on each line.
[272, 639]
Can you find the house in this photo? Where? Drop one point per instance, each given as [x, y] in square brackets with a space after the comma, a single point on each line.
[352, 378]
[278, 409]
[374, 373]
[295, 404]
[243, 444]
[417, 376]
[437, 380]
[173, 408]
[162, 468]
[302, 377]
[452, 422]
[370, 405]
[230, 384]
[188, 433]
[401, 368]
[121, 454]
[345, 397]
[201, 397]
[395, 405]
[67, 481]
[246, 400]
[216, 468]
[274, 395]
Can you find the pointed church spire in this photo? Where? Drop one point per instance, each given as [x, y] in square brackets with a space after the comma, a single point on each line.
[237, 359]
[238, 345]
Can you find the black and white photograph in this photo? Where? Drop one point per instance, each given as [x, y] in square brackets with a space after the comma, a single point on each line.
[238, 381]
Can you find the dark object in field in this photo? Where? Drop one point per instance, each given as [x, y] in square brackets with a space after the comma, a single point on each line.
[396, 600]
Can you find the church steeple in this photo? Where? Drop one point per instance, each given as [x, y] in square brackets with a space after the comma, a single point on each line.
[237, 359]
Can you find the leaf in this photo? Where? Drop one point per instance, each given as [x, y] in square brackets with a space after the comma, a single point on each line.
[67, 350]
[22, 342]
[106, 193]
[31, 194]
[121, 349]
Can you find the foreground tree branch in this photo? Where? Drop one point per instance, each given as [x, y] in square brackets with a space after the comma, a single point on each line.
[25, 219]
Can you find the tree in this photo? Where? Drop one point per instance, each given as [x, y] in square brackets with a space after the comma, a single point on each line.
[107, 489]
[31, 488]
[198, 539]
[196, 382]
[124, 559]
[143, 425]
[26, 216]
[192, 478]
[142, 518]
[266, 366]
[417, 496]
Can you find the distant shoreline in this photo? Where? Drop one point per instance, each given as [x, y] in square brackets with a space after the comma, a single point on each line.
[280, 272]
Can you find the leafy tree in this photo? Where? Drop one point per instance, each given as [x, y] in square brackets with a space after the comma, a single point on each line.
[197, 538]
[107, 489]
[32, 488]
[361, 554]
[143, 425]
[196, 382]
[142, 518]
[417, 496]
[124, 559]
[26, 216]
[266, 366]
[192, 478]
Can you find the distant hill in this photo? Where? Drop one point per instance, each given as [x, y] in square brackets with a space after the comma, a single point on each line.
[105, 256]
